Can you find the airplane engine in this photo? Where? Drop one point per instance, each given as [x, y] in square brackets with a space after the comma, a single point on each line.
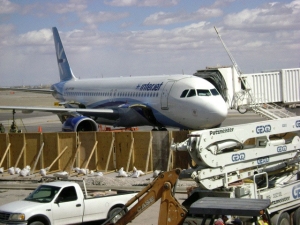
[80, 123]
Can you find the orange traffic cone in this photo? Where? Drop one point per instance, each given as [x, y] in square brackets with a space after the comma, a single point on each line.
[40, 129]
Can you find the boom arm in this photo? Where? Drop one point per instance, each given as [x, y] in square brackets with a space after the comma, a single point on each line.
[171, 211]
[230, 154]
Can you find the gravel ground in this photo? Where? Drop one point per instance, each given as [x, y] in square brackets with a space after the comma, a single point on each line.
[109, 179]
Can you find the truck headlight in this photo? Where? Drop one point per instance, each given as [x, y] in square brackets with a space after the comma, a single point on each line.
[17, 216]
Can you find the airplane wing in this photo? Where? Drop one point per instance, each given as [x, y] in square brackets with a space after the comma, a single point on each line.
[66, 111]
[83, 119]
[40, 91]
[73, 119]
[118, 116]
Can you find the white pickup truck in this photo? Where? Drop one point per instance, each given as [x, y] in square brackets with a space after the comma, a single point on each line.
[63, 202]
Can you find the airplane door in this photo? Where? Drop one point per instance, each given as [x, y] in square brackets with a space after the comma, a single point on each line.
[165, 95]
[111, 97]
[114, 95]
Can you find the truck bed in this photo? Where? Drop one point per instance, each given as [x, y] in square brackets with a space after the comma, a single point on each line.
[97, 194]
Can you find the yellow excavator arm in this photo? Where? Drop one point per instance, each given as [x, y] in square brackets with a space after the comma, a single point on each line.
[171, 211]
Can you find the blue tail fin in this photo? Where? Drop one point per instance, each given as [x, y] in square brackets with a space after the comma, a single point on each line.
[65, 71]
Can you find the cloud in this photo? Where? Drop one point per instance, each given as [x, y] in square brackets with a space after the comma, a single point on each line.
[190, 37]
[125, 25]
[39, 37]
[270, 17]
[6, 31]
[157, 40]
[36, 42]
[266, 36]
[262, 37]
[41, 8]
[93, 19]
[141, 3]
[71, 6]
[7, 7]
[163, 18]
[222, 3]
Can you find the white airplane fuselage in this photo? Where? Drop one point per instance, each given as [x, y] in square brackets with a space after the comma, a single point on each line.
[159, 96]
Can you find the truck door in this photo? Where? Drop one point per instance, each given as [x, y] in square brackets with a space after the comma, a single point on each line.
[165, 95]
[67, 207]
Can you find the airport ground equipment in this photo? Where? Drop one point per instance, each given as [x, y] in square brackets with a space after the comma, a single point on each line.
[162, 187]
[249, 211]
[256, 160]
[64, 202]
[204, 210]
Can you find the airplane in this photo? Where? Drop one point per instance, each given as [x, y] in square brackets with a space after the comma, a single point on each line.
[186, 102]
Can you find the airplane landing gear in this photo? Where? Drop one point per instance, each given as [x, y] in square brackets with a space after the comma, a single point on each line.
[13, 127]
[159, 129]
[162, 129]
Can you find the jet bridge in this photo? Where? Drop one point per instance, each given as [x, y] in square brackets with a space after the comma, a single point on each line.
[264, 93]
[215, 77]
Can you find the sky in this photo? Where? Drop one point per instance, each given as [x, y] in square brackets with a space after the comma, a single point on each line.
[113, 38]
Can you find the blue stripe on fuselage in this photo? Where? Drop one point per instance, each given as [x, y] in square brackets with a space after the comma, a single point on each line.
[115, 104]
[161, 118]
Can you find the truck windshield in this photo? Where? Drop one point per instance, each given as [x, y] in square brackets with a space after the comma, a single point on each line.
[43, 193]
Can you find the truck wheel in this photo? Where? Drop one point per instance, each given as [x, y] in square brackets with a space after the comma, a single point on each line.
[114, 213]
[296, 217]
[284, 219]
[37, 223]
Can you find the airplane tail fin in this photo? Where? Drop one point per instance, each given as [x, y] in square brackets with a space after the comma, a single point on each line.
[65, 71]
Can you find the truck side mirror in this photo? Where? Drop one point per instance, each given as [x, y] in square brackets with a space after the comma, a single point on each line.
[58, 199]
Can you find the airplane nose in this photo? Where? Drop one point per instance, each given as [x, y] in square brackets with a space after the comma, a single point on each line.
[219, 112]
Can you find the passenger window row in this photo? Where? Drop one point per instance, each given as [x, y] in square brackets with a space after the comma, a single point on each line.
[113, 94]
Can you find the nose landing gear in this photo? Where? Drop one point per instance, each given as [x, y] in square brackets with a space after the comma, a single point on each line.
[159, 129]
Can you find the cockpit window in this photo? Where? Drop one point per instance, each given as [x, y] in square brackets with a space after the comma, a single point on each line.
[214, 91]
[201, 92]
[183, 94]
[191, 93]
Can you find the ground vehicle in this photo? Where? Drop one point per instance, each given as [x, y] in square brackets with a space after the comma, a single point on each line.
[249, 211]
[256, 160]
[251, 161]
[63, 202]
[172, 212]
